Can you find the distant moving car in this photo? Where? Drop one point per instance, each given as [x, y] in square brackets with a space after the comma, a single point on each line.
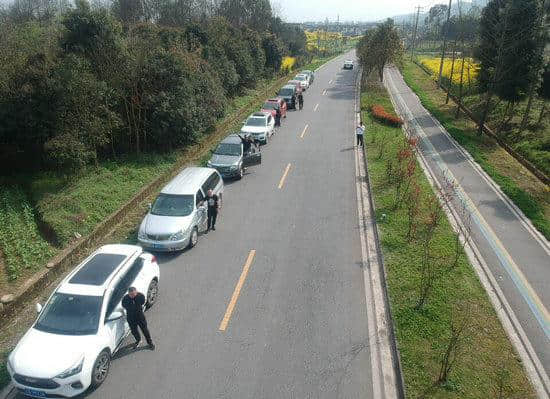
[289, 94]
[348, 64]
[311, 75]
[260, 125]
[297, 84]
[304, 81]
[230, 159]
[176, 216]
[273, 104]
[69, 347]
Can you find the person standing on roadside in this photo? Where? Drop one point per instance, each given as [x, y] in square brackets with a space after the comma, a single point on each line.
[278, 117]
[360, 132]
[213, 203]
[134, 303]
[300, 100]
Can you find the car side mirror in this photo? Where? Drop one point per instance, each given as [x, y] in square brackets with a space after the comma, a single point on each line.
[38, 308]
[116, 315]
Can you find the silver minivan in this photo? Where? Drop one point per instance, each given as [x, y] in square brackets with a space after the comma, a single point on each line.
[178, 213]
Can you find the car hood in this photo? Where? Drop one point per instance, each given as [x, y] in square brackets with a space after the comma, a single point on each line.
[225, 160]
[254, 129]
[161, 225]
[44, 355]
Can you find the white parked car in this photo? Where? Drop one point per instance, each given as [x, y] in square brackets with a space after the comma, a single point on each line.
[304, 80]
[69, 347]
[260, 125]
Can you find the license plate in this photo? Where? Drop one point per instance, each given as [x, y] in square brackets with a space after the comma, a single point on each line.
[33, 393]
[158, 246]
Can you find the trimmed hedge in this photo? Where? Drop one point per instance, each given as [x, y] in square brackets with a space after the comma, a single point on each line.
[381, 115]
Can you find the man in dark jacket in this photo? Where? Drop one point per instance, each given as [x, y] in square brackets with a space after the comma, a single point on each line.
[213, 203]
[278, 117]
[134, 302]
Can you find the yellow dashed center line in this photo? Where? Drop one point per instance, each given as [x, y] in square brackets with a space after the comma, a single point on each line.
[237, 292]
[284, 176]
[304, 132]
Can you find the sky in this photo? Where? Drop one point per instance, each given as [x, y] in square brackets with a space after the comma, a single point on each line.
[349, 10]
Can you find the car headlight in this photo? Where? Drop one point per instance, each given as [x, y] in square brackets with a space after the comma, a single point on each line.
[142, 235]
[209, 164]
[77, 368]
[234, 167]
[178, 236]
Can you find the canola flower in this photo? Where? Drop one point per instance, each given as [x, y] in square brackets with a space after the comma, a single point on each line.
[288, 63]
[471, 68]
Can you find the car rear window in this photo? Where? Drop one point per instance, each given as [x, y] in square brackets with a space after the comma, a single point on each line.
[97, 269]
[286, 92]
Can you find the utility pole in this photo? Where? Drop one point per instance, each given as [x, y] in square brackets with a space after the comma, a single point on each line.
[446, 33]
[418, 8]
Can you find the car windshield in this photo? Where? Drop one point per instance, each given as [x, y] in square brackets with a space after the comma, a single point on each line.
[301, 78]
[173, 205]
[286, 92]
[255, 122]
[228, 149]
[67, 314]
[269, 105]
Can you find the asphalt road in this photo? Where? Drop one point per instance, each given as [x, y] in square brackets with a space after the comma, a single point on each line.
[298, 328]
[517, 256]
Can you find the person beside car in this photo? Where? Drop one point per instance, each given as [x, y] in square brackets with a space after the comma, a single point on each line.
[278, 117]
[213, 204]
[134, 302]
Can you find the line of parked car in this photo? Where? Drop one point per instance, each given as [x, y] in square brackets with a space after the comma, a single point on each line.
[69, 348]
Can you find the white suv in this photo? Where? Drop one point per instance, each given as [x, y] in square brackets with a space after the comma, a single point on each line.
[260, 125]
[81, 326]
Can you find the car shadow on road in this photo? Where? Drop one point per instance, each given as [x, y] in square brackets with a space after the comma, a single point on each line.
[347, 149]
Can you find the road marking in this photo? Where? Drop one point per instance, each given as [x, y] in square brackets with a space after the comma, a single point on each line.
[330, 81]
[284, 176]
[325, 92]
[237, 292]
[303, 133]
[315, 109]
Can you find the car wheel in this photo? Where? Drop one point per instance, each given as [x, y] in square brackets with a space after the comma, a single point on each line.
[101, 369]
[241, 173]
[152, 293]
[193, 238]
[266, 139]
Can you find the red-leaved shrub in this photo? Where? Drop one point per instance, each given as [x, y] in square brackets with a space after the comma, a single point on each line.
[381, 115]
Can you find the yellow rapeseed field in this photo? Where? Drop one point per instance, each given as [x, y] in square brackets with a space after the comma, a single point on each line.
[470, 68]
[319, 41]
[287, 64]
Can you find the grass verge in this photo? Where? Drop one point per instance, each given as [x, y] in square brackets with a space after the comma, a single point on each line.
[126, 232]
[525, 190]
[485, 360]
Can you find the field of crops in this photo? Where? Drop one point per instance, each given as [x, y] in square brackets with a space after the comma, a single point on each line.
[471, 69]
